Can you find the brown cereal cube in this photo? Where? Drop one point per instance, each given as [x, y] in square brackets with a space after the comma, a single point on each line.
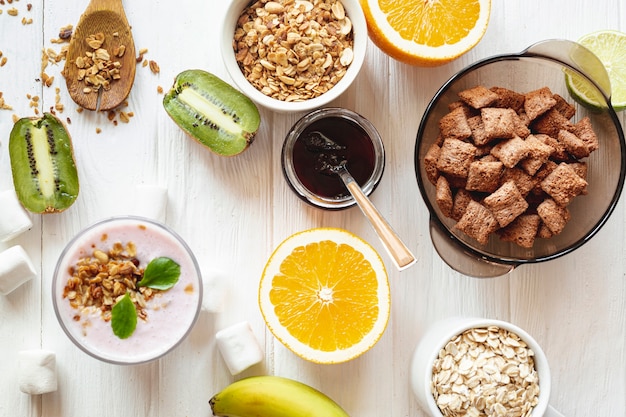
[584, 131]
[581, 169]
[454, 125]
[455, 157]
[523, 181]
[554, 216]
[461, 199]
[477, 222]
[478, 97]
[538, 102]
[522, 230]
[540, 175]
[443, 196]
[506, 203]
[563, 184]
[430, 163]
[559, 154]
[509, 99]
[510, 151]
[521, 125]
[550, 123]
[498, 123]
[467, 110]
[538, 154]
[484, 176]
[563, 107]
[573, 144]
[479, 136]
[544, 231]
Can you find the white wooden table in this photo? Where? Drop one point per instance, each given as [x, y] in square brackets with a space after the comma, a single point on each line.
[233, 212]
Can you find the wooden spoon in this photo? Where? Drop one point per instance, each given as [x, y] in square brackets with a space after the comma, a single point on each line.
[108, 18]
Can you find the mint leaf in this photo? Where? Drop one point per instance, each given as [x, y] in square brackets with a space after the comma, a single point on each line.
[124, 317]
[161, 274]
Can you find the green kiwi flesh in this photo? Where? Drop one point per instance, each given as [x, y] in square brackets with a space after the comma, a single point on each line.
[42, 164]
[212, 112]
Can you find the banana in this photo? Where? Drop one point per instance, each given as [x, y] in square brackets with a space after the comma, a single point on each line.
[273, 396]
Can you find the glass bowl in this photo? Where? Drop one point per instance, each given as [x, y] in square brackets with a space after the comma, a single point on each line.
[165, 318]
[542, 64]
[366, 157]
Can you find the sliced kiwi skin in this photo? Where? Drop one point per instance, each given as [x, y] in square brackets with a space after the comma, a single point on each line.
[212, 112]
[42, 164]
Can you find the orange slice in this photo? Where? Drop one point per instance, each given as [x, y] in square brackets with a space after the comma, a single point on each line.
[426, 32]
[325, 295]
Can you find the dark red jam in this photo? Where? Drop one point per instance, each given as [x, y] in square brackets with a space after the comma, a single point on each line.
[349, 143]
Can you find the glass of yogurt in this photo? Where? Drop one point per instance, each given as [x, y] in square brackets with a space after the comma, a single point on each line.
[104, 263]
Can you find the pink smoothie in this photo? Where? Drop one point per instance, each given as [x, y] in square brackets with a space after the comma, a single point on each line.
[170, 315]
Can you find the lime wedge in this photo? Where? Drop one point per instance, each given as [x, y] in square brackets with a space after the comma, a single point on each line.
[610, 47]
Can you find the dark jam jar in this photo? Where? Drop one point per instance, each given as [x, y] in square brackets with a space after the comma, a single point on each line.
[347, 137]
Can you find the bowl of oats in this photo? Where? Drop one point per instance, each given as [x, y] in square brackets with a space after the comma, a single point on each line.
[512, 169]
[127, 290]
[478, 367]
[293, 56]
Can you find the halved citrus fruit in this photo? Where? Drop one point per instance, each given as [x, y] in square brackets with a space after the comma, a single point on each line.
[325, 295]
[610, 48]
[426, 32]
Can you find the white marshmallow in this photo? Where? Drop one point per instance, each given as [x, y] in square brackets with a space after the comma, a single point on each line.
[15, 269]
[239, 347]
[213, 290]
[14, 220]
[37, 371]
[151, 202]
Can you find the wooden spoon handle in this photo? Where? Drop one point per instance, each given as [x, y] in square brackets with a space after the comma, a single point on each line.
[401, 255]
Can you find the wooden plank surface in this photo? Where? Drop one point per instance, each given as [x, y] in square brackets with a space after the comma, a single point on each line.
[234, 211]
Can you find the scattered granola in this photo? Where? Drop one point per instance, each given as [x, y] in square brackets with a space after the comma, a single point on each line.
[294, 50]
[485, 372]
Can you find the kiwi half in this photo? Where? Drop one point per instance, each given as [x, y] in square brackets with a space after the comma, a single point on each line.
[42, 164]
[212, 112]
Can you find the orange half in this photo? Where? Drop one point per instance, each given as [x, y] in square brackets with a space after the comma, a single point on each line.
[325, 295]
[426, 32]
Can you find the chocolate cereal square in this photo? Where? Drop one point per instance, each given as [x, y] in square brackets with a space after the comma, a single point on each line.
[443, 196]
[506, 203]
[563, 184]
[510, 151]
[551, 123]
[524, 182]
[563, 107]
[553, 215]
[538, 154]
[478, 97]
[455, 157]
[498, 123]
[484, 176]
[584, 131]
[522, 230]
[573, 144]
[479, 135]
[477, 222]
[508, 99]
[454, 125]
[460, 202]
[538, 102]
[430, 163]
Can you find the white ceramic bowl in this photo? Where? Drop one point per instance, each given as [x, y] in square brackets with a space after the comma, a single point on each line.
[359, 27]
[440, 333]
